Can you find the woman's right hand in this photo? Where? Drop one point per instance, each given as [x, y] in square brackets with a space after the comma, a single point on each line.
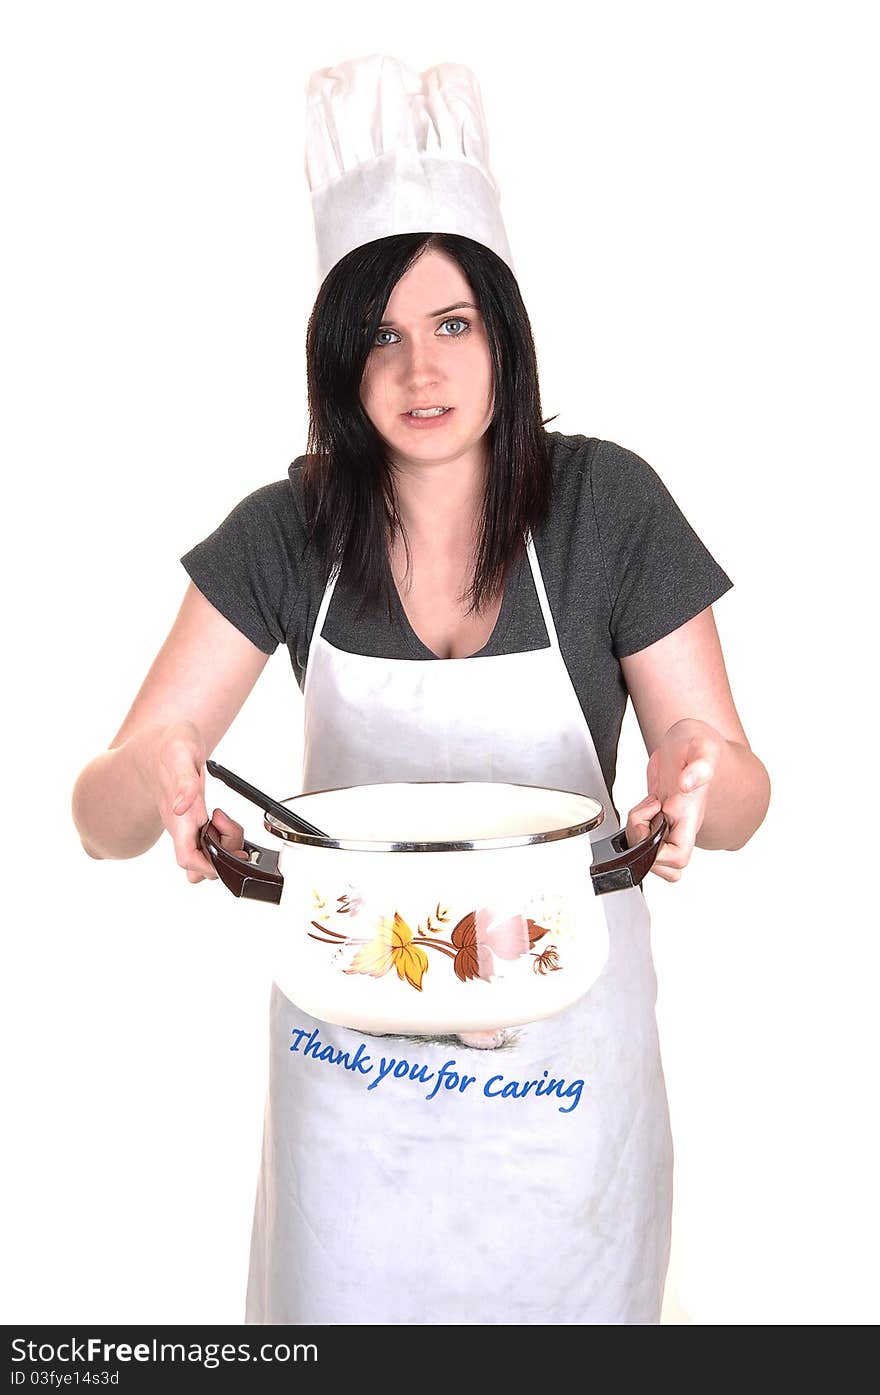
[178, 777]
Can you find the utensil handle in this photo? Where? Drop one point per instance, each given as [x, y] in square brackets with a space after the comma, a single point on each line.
[617, 867]
[258, 879]
[263, 801]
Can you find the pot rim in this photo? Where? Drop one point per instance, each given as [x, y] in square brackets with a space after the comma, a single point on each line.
[289, 835]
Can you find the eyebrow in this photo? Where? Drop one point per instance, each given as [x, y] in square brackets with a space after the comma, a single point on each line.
[459, 305]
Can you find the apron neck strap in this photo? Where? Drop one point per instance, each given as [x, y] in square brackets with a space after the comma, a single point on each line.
[542, 594]
[326, 599]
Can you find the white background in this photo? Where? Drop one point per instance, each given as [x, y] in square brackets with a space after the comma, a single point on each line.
[688, 192]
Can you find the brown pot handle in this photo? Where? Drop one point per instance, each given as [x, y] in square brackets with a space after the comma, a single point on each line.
[617, 867]
[258, 879]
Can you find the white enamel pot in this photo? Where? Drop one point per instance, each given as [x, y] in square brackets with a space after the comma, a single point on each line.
[438, 907]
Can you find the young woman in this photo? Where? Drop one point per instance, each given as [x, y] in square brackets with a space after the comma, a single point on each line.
[401, 558]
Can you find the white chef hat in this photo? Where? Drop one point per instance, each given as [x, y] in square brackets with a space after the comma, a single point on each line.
[389, 150]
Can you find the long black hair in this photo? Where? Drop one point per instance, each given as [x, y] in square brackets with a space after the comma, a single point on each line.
[351, 505]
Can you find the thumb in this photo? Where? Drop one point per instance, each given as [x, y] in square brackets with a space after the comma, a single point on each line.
[188, 789]
[231, 833]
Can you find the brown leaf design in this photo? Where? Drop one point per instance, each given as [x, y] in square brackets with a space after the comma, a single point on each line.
[349, 903]
[464, 938]
[536, 932]
[548, 961]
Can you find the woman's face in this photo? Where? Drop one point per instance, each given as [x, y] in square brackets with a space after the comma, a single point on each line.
[431, 350]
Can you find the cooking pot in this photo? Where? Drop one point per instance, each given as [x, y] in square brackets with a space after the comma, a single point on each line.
[438, 907]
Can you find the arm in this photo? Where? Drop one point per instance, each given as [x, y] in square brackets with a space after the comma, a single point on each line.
[702, 771]
[197, 684]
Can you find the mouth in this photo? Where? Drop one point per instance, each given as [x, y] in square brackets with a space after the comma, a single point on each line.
[426, 418]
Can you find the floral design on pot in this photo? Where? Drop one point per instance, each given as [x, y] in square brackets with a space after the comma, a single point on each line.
[479, 937]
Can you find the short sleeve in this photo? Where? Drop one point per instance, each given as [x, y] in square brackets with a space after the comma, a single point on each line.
[659, 573]
[249, 567]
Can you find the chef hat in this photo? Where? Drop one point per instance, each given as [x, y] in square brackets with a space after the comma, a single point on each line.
[389, 150]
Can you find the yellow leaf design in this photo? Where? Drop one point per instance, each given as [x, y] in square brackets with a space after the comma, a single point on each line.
[392, 947]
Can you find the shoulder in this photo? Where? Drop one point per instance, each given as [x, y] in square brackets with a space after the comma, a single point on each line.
[272, 513]
[282, 497]
[622, 486]
[571, 459]
[263, 534]
[598, 477]
[621, 473]
[568, 533]
[579, 459]
[607, 501]
[570, 454]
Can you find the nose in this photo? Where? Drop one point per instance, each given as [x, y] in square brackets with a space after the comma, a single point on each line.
[419, 363]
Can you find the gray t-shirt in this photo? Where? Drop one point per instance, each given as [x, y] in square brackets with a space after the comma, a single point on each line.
[621, 565]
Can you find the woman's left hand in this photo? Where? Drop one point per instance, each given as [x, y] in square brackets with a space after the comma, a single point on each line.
[680, 774]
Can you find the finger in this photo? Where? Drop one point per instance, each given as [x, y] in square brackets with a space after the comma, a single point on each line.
[638, 823]
[184, 782]
[231, 833]
[188, 788]
[675, 851]
[696, 773]
[193, 860]
[225, 823]
[666, 874]
[180, 773]
[187, 842]
[669, 861]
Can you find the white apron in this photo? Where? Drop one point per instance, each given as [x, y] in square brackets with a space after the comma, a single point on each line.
[390, 1198]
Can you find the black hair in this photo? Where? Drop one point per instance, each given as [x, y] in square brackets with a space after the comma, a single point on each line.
[351, 507]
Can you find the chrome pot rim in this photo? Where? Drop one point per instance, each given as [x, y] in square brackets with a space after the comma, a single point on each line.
[522, 840]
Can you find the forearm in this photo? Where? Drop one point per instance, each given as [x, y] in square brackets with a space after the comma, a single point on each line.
[114, 807]
[738, 799]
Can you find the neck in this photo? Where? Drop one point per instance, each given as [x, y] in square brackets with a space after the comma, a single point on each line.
[440, 504]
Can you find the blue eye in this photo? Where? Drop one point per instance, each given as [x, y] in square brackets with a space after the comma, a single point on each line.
[456, 320]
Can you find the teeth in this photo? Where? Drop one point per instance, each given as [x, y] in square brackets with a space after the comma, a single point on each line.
[427, 411]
